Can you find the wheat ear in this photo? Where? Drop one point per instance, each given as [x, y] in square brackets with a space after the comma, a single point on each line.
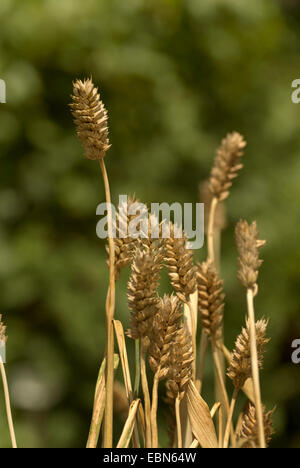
[124, 244]
[165, 325]
[210, 300]
[144, 302]
[249, 433]
[225, 169]
[211, 306]
[240, 365]
[179, 262]
[248, 246]
[180, 373]
[90, 117]
[181, 268]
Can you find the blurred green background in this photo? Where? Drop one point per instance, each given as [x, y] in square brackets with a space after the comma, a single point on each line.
[175, 76]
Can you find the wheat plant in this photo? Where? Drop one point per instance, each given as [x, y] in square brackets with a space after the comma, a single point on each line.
[165, 328]
[169, 342]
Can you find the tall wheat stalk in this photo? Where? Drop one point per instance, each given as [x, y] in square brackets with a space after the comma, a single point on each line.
[90, 117]
[248, 246]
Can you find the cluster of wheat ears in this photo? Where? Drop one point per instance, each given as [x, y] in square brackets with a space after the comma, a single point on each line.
[165, 328]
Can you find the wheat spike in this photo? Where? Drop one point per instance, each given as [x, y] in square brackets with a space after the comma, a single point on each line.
[90, 117]
[249, 429]
[248, 246]
[124, 246]
[226, 165]
[180, 364]
[179, 261]
[240, 366]
[165, 326]
[142, 288]
[211, 299]
[3, 336]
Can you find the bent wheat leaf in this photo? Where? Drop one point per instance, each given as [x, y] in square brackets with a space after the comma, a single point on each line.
[214, 409]
[99, 404]
[124, 359]
[201, 421]
[129, 425]
[126, 372]
[194, 444]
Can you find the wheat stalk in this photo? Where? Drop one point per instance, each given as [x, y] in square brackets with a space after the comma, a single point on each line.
[90, 118]
[248, 246]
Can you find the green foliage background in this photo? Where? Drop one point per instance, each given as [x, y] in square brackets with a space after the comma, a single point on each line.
[176, 76]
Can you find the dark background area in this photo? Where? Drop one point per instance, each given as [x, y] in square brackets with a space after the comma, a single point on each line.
[175, 76]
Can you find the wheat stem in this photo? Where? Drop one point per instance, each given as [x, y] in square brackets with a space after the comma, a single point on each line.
[178, 422]
[202, 356]
[214, 256]
[210, 230]
[220, 376]
[220, 427]
[193, 333]
[110, 307]
[255, 369]
[137, 368]
[7, 405]
[229, 419]
[154, 409]
[225, 400]
[145, 388]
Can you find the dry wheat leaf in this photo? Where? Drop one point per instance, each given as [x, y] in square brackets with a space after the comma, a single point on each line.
[214, 409]
[98, 409]
[248, 389]
[124, 358]
[99, 404]
[129, 425]
[202, 424]
[194, 444]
